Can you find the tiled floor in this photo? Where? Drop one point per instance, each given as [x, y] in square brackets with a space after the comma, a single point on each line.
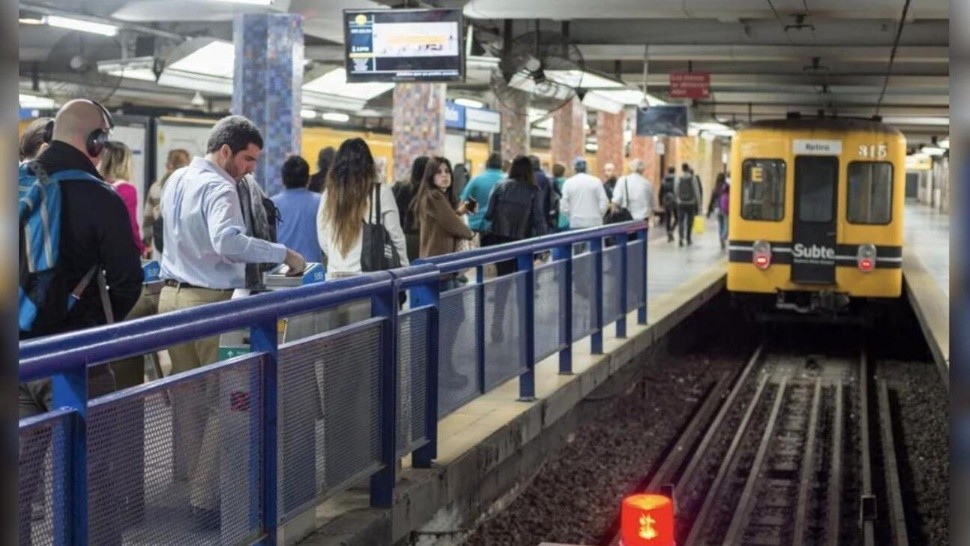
[928, 238]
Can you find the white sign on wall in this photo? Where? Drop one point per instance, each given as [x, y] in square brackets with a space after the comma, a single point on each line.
[817, 147]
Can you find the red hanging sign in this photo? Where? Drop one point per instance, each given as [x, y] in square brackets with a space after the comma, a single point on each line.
[690, 85]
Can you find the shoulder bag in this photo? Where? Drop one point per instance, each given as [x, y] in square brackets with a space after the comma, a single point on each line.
[618, 214]
[377, 252]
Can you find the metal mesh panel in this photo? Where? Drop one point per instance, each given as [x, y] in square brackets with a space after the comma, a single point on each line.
[44, 452]
[636, 279]
[412, 347]
[458, 348]
[178, 463]
[612, 270]
[584, 295]
[305, 325]
[505, 346]
[330, 429]
[550, 294]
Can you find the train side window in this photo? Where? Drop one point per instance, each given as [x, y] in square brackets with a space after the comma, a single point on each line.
[763, 189]
[870, 193]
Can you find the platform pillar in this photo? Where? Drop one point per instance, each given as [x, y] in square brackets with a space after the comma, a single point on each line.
[418, 127]
[515, 131]
[569, 134]
[609, 142]
[266, 88]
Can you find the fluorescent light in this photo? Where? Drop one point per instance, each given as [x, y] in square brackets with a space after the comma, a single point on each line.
[248, 2]
[307, 114]
[591, 147]
[579, 78]
[933, 150]
[217, 58]
[31, 21]
[81, 24]
[945, 144]
[335, 83]
[338, 117]
[598, 102]
[33, 101]
[470, 103]
[901, 120]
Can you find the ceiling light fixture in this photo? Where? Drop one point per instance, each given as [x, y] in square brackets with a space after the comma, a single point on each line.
[337, 117]
[248, 2]
[307, 113]
[83, 25]
[470, 103]
[33, 101]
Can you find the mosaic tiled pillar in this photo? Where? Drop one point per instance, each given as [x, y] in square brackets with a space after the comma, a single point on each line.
[609, 142]
[418, 127]
[267, 84]
[515, 133]
[569, 134]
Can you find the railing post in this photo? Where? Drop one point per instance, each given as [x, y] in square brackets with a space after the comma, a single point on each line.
[621, 240]
[421, 295]
[642, 309]
[596, 340]
[527, 380]
[264, 339]
[384, 304]
[69, 391]
[564, 253]
[480, 328]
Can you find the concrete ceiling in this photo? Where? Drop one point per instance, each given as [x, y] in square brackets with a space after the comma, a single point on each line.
[765, 57]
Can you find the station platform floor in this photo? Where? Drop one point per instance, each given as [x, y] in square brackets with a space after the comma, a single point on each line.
[926, 276]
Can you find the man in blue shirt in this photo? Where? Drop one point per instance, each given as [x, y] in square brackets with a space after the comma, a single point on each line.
[480, 188]
[298, 210]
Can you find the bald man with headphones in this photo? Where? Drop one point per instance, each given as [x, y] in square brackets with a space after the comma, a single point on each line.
[95, 231]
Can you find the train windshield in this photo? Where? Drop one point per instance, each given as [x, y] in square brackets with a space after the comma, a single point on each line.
[763, 189]
[870, 193]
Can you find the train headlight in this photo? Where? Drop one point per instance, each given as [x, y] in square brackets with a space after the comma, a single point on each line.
[866, 257]
[761, 254]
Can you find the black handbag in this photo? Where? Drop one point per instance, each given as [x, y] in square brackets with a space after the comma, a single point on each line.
[377, 252]
[620, 213]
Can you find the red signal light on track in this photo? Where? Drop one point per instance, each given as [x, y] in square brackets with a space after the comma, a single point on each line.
[647, 520]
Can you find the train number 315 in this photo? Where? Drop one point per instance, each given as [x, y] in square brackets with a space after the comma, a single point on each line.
[877, 151]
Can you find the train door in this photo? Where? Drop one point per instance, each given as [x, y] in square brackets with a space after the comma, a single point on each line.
[815, 219]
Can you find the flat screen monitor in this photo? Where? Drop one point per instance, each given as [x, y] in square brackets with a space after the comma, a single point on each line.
[662, 120]
[395, 45]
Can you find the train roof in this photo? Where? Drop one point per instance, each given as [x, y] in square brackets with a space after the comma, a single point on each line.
[824, 124]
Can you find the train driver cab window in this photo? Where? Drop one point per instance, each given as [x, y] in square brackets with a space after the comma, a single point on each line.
[870, 199]
[763, 189]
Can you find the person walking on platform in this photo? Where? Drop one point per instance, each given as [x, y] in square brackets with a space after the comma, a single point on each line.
[720, 201]
[205, 257]
[635, 192]
[609, 179]
[514, 213]
[669, 202]
[689, 196]
[479, 189]
[404, 191]
[324, 160]
[95, 237]
[584, 200]
[298, 210]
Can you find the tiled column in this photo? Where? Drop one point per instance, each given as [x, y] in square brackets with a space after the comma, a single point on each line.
[418, 127]
[569, 133]
[609, 142]
[267, 84]
[645, 149]
[515, 133]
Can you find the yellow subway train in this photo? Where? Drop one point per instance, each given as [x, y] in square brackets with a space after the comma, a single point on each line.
[816, 214]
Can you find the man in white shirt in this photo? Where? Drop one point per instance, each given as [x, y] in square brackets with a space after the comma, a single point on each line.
[635, 192]
[204, 259]
[583, 199]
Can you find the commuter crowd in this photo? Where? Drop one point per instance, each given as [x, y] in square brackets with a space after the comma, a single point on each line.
[214, 231]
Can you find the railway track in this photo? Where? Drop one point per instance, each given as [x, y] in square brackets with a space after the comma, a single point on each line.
[787, 452]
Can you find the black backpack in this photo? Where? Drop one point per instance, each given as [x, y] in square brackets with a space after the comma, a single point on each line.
[685, 190]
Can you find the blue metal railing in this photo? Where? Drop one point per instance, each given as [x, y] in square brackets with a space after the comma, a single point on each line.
[65, 359]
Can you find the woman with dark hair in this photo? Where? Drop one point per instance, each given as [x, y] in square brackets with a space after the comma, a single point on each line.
[438, 213]
[346, 204]
[404, 192]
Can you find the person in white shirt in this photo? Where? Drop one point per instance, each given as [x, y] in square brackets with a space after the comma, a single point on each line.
[583, 199]
[635, 192]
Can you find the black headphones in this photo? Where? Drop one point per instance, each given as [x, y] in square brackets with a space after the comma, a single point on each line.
[96, 138]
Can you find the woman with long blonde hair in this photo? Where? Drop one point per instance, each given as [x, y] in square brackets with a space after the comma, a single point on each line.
[115, 168]
[346, 204]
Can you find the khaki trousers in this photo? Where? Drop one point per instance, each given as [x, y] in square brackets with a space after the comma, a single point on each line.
[194, 407]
